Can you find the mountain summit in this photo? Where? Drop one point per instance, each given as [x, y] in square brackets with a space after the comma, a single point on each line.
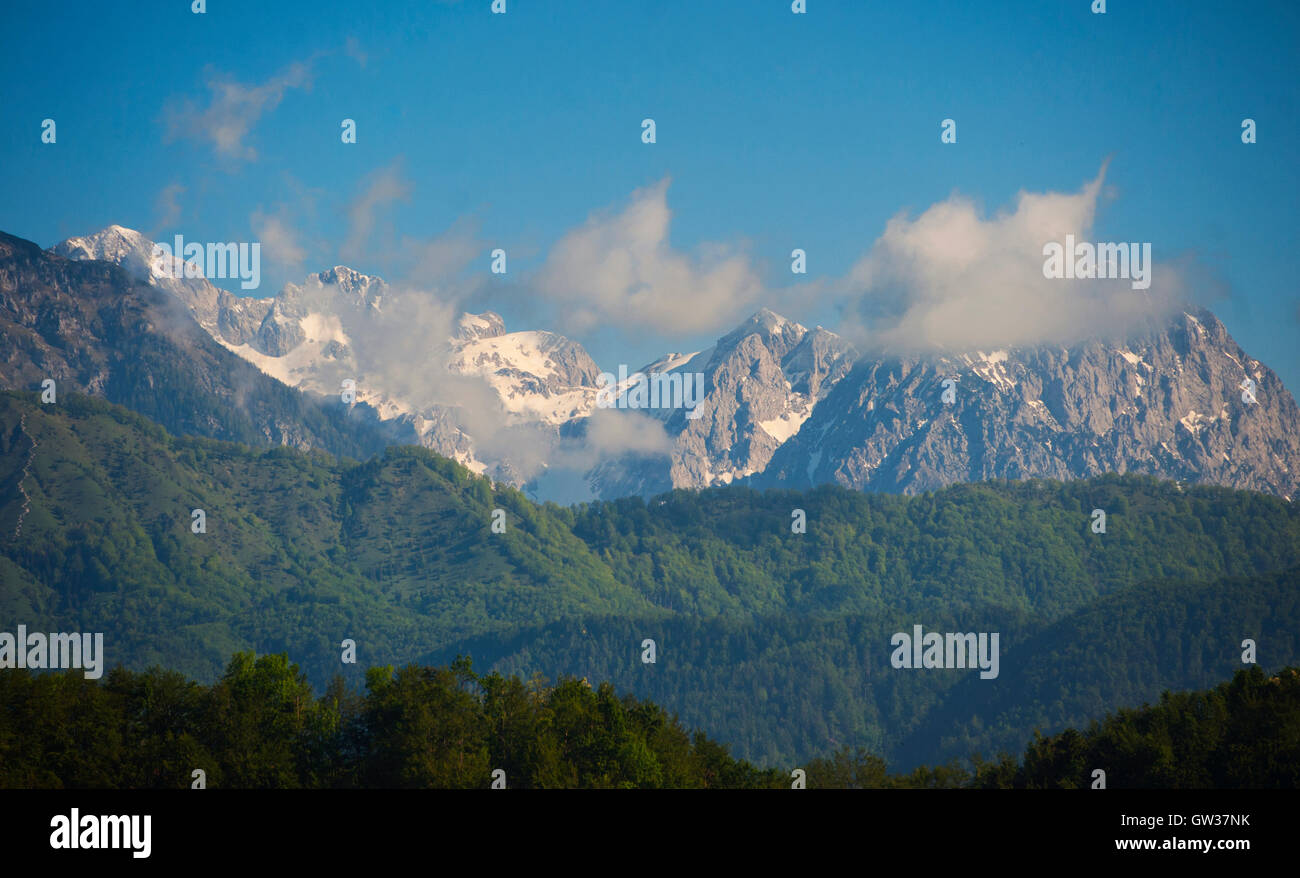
[782, 405]
[445, 381]
[1182, 402]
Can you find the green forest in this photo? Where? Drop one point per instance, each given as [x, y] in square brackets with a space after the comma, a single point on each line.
[774, 641]
[260, 726]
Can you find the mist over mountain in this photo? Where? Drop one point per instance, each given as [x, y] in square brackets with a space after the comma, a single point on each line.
[782, 405]
[457, 383]
[90, 327]
[1167, 402]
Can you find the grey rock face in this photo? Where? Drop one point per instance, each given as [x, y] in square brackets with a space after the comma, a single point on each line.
[761, 381]
[1166, 403]
[235, 319]
[87, 324]
[279, 332]
[782, 405]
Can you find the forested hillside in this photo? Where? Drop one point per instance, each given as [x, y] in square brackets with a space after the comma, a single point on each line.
[259, 726]
[775, 641]
[781, 686]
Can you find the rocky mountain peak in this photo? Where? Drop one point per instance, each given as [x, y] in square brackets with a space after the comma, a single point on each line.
[761, 381]
[769, 330]
[782, 405]
[1168, 402]
[360, 288]
[486, 325]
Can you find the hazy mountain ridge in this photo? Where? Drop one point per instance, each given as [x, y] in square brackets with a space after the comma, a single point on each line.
[1169, 403]
[89, 327]
[339, 325]
[761, 382]
[782, 405]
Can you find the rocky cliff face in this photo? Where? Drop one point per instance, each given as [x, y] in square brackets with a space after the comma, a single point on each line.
[94, 329]
[761, 383]
[434, 380]
[236, 319]
[1168, 402]
[782, 405]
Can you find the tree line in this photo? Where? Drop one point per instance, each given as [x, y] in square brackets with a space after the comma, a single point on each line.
[261, 726]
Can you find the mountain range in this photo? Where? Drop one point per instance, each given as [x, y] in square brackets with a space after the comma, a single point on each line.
[327, 520]
[783, 405]
[777, 641]
[89, 327]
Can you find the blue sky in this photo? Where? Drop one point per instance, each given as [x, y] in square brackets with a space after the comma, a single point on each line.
[774, 131]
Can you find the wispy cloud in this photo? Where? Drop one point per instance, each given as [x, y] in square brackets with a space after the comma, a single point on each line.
[281, 242]
[953, 279]
[352, 48]
[167, 208]
[445, 256]
[384, 187]
[620, 270]
[232, 109]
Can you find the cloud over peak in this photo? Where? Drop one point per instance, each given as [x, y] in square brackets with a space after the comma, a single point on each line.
[953, 279]
[620, 270]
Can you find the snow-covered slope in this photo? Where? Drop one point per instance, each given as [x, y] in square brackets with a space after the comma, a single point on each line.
[1167, 401]
[409, 357]
[761, 382]
[781, 405]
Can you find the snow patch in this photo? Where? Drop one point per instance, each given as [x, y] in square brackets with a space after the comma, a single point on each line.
[787, 425]
[1134, 359]
[668, 362]
[992, 368]
[813, 459]
[1193, 422]
[518, 350]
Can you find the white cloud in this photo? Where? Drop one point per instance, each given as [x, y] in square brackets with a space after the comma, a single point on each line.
[280, 241]
[953, 279]
[384, 187]
[612, 433]
[620, 270]
[232, 111]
